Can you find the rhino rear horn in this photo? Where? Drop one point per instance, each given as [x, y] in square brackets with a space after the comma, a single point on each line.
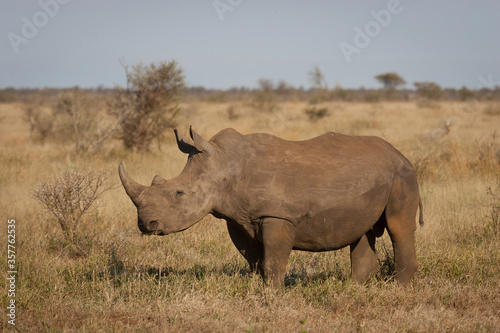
[200, 143]
[133, 188]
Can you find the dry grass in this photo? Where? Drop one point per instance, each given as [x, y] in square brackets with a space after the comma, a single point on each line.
[196, 280]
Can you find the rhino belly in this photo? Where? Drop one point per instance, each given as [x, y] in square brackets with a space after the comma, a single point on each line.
[340, 225]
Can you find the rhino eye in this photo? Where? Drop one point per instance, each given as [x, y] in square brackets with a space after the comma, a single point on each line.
[179, 193]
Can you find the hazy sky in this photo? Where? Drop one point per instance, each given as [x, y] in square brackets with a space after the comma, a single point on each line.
[225, 43]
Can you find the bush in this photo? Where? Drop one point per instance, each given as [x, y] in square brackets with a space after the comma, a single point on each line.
[83, 120]
[6, 96]
[149, 104]
[428, 90]
[465, 94]
[316, 113]
[264, 99]
[319, 86]
[39, 118]
[342, 94]
[373, 96]
[69, 198]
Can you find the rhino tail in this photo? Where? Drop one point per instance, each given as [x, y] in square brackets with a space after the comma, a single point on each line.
[421, 212]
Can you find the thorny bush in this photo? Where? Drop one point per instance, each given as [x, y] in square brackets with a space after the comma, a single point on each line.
[70, 196]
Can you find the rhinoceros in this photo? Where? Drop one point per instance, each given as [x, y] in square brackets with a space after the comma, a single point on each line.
[276, 196]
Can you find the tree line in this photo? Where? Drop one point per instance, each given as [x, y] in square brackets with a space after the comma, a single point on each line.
[140, 113]
[282, 91]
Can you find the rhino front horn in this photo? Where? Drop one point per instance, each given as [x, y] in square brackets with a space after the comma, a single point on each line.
[132, 187]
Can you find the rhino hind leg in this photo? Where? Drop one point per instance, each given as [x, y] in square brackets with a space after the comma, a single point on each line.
[249, 248]
[400, 214]
[363, 258]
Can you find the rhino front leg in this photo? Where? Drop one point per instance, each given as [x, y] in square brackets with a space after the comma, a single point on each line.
[277, 237]
[249, 248]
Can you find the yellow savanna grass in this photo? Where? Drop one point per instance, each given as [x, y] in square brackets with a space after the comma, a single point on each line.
[197, 281]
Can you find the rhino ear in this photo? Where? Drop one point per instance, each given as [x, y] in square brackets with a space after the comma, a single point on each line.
[200, 143]
[183, 143]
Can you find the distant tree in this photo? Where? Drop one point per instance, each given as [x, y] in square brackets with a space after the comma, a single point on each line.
[284, 90]
[6, 96]
[342, 94]
[428, 90]
[317, 78]
[149, 104]
[390, 80]
[264, 98]
[318, 82]
[464, 94]
[320, 94]
[283, 87]
[373, 96]
[266, 84]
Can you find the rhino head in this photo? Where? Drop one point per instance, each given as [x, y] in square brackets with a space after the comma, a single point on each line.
[169, 206]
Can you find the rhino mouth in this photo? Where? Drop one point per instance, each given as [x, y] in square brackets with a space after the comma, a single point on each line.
[150, 228]
[154, 233]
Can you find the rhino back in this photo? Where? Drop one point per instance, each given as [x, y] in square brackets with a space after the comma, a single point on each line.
[297, 179]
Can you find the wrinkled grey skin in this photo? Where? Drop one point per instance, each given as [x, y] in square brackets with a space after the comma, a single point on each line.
[277, 196]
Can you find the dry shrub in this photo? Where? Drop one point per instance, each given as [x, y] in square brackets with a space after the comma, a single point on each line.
[69, 197]
[39, 118]
[7, 96]
[429, 91]
[149, 104]
[315, 113]
[74, 115]
[320, 94]
[83, 119]
[374, 96]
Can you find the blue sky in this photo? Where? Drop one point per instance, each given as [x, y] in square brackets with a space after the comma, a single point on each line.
[226, 43]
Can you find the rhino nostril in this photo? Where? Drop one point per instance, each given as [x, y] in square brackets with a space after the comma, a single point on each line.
[147, 226]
